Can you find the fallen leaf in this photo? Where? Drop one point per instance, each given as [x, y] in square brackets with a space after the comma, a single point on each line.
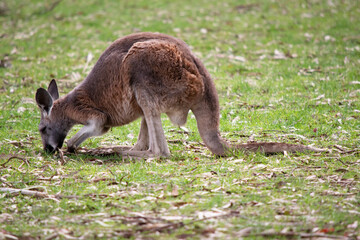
[203, 30]
[259, 167]
[173, 218]
[175, 191]
[354, 93]
[179, 204]
[353, 225]
[237, 161]
[245, 7]
[210, 214]
[319, 97]
[278, 55]
[5, 62]
[5, 217]
[308, 36]
[228, 205]
[239, 58]
[328, 38]
[205, 175]
[244, 232]
[327, 230]
[269, 231]
[21, 110]
[75, 76]
[311, 177]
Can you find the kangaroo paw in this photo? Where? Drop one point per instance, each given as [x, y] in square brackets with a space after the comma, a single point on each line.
[71, 149]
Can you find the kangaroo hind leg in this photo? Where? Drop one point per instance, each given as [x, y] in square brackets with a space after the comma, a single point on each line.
[151, 137]
[142, 143]
[157, 141]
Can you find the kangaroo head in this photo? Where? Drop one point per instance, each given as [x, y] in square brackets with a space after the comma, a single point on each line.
[51, 126]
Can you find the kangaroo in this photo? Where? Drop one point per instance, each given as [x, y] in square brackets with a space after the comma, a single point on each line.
[141, 75]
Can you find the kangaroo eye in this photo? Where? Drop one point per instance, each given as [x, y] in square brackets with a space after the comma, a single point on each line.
[42, 129]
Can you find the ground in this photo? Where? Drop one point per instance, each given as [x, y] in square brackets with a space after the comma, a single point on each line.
[285, 71]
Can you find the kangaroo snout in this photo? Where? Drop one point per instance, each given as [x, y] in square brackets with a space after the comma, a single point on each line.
[49, 149]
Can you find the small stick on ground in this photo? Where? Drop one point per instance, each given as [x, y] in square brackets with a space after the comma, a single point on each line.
[61, 155]
[301, 235]
[38, 194]
[15, 157]
[182, 224]
[25, 192]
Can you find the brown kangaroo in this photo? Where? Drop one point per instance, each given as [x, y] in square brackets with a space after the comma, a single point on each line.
[141, 75]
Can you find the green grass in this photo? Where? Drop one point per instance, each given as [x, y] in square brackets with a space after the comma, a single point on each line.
[310, 96]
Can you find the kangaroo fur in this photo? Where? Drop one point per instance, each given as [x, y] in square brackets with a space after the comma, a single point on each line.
[141, 76]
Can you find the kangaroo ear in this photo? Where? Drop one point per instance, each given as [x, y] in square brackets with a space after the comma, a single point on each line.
[44, 100]
[53, 90]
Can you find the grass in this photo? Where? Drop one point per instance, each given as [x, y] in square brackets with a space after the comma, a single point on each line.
[285, 71]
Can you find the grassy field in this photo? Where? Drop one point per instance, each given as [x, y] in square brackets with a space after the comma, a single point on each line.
[286, 71]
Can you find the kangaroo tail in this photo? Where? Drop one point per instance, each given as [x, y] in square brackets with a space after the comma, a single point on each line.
[207, 115]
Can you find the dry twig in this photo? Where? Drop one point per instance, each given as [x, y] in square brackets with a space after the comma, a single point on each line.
[37, 194]
[25, 192]
[15, 157]
[61, 155]
[182, 224]
[301, 235]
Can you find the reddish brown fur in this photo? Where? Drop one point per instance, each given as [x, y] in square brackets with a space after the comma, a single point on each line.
[144, 75]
